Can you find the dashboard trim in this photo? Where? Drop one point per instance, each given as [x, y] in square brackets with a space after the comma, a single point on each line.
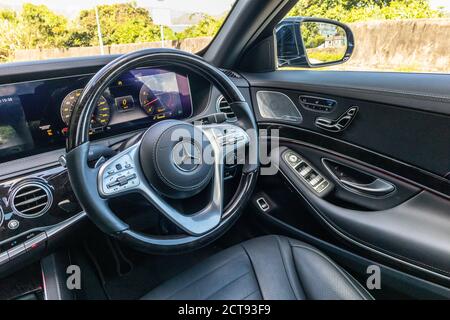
[48, 79]
[55, 229]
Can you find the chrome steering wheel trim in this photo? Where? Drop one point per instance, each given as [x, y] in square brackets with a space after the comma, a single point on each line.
[132, 179]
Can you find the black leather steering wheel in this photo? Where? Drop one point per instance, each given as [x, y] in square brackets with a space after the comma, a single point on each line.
[149, 166]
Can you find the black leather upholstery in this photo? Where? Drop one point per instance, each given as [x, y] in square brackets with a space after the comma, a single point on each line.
[270, 267]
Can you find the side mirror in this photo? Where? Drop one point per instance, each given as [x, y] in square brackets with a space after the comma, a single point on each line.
[313, 42]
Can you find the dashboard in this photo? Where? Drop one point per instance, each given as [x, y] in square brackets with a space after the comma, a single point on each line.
[34, 116]
[37, 204]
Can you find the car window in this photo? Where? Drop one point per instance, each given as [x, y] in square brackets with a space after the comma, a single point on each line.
[46, 29]
[389, 35]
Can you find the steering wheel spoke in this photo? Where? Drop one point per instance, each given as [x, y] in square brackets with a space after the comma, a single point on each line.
[123, 174]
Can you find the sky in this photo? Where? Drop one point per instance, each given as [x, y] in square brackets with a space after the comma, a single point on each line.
[72, 7]
[440, 3]
[213, 7]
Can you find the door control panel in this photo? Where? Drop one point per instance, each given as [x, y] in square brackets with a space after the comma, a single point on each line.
[307, 173]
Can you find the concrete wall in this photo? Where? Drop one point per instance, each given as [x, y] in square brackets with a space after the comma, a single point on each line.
[191, 45]
[402, 45]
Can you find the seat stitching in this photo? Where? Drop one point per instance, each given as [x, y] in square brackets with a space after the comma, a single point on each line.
[284, 266]
[203, 276]
[253, 268]
[226, 285]
[336, 267]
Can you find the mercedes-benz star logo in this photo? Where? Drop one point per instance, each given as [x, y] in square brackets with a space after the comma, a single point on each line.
[186, 155]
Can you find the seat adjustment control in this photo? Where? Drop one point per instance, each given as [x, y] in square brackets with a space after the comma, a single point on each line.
[317, 103]
[338, 125]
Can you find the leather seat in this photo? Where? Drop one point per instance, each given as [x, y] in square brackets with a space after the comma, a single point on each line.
[270, 267]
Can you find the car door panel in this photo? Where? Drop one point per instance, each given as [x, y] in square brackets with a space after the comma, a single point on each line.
[399, 137]
[393, 131]
[408, 230]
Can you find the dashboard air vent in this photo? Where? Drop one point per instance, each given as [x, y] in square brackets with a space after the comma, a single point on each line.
[31, 199]
[231, 74]
[223, 106]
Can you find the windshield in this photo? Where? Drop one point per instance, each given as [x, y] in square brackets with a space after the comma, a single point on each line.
[47, 29]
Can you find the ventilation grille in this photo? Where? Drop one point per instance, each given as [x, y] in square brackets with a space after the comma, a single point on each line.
[31, 200]
[231, 74]
[223, 106]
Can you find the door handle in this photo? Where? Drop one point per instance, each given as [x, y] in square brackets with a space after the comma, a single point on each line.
[377, 188]
[357, 181]
[338, 125]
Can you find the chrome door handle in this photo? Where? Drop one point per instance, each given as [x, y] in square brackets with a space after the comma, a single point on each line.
[377, 188]
[338, 125]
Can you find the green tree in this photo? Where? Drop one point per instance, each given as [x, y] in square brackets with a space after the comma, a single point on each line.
[8, 15]
[207, 27]
[120, 23]
[34, 27]
[45, 29]
[361, 10]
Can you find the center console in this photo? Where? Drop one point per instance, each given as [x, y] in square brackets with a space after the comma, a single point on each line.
[33, 210]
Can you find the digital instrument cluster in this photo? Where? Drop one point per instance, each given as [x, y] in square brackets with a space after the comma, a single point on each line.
[35, 115]
[156, 93]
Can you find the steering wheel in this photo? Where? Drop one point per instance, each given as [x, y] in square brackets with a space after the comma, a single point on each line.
[168, 163]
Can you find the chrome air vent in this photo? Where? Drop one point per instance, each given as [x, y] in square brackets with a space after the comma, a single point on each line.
[223, 106]
[31, 199]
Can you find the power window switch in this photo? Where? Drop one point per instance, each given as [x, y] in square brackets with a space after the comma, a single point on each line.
[262, 204]
[305, 171]
[321, 187]
[316, 180]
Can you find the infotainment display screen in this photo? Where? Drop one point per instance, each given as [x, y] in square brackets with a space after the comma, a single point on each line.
[15, 135]
[34, 116]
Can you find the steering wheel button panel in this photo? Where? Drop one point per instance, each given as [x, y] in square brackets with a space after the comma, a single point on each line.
[229, 135]
[117, 179]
